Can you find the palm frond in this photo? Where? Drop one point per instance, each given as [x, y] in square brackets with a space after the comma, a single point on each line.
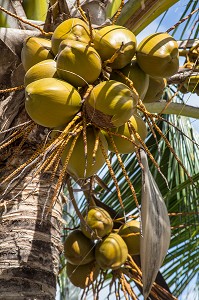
[182, 197]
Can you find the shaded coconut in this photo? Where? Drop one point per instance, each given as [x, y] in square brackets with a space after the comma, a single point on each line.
[43, 69]
[82, 275]
[80, 166]
[51, 102]
[155, 90]
[78, 63]
[123, 145]
[35, 49]
[130, 232]
[138, 77]
[99, 220]
[158, 55]
[110, 104]
[111, 252]
[112, 38]
[78, 249]
[71, 29]
[192, 84]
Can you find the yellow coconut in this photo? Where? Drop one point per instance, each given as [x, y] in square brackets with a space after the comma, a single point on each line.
[35, 49]
[99, 221]
[78, 63]
[192, 84]
[155, 90]
[51, 102]
[78, 249]
[82, 275]
[130, 232]
[110, 104]
[71, 29]
[112, 38]
[79, 165]
[43, 69]
[123, 145]
[158, 55]
[136, 75]
[111, 252]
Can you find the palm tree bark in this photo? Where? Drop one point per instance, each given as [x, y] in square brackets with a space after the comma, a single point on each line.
[30, 240]
[30, 243]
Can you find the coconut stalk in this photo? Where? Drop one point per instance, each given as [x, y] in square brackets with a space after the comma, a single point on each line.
[155, 228]
[136, 15]
[179, 109]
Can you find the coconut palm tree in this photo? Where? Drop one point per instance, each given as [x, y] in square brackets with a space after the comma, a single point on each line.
[34, 208]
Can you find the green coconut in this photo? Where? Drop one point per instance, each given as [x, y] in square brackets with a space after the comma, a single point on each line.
[111, 252]
[110, 104]
[80, 166]
[71, 29]
[82, 275]
[192, 84]
[43, 69]
[130, 232]
[138, 77]
[78, 63]
[99, 220]
[155, 90]
[158, 55]
[78, 249]
[51, 102]
[35, 49]
[112, 38]
[123, 145]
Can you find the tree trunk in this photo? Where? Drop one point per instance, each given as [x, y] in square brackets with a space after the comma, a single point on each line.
[30, 239]
[30, 243]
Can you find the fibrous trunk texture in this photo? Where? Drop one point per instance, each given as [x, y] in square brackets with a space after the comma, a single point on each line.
[29, 243]
[30, 240]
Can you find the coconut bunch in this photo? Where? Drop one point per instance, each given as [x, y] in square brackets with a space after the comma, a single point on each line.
[96, 246]
[88, 86]
[99, 75]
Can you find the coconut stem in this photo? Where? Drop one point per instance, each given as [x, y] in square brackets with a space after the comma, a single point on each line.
[114, 56]
[16, 135]
[83, 15]
[62, 174]
[132, 129]
[116, 16]
[112, 173]
[179, 109]
[182, 20]
[96, 145]
[124, 171]
[25, 21]
[167, 143]
[14, 89]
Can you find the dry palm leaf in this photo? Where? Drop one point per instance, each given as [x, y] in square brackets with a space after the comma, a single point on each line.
[155, 224]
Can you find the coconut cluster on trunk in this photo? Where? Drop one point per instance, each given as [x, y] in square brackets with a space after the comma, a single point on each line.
[99, 74]
[85, 84]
